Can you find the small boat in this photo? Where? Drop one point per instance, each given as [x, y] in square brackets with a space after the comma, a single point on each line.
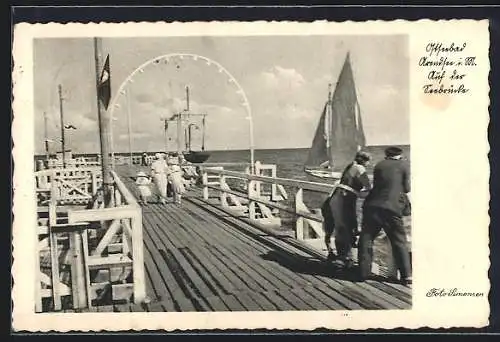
[185, 122]
[189, 154]
[339, 134]
[196, 156]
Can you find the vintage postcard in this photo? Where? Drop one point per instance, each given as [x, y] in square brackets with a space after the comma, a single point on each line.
[245, 175]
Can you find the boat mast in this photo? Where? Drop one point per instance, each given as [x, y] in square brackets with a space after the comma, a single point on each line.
[328, 121]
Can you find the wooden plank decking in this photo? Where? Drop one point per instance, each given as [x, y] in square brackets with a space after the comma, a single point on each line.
[200, 259]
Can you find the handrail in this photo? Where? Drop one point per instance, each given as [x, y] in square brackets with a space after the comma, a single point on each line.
[208, 165]
[271, 204]
[127, 195]
[311, 186]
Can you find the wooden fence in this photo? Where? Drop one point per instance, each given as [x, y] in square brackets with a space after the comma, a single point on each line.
[93, 254]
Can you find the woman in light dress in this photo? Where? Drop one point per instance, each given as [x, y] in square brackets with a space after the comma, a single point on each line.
[175, 179]
[159, 173]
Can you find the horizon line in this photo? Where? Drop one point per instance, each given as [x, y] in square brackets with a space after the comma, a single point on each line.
[223, 150]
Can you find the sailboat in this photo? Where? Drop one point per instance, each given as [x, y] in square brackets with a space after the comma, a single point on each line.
[339, 134]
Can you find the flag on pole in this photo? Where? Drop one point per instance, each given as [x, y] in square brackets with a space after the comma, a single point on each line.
[69, 127]
[104, 87]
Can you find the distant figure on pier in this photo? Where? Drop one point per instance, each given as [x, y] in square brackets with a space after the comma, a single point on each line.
[144, 159]
[159, 173]
[384, 208]
[339, 210]
[176, 180]
[143, 184]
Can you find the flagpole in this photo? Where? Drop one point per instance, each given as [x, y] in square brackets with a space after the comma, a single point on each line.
[62, 126]
[103, 128]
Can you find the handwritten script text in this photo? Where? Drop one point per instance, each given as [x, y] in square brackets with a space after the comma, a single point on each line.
[446, 66]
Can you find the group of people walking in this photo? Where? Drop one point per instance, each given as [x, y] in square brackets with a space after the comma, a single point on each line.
[170, 174]
[386, 203]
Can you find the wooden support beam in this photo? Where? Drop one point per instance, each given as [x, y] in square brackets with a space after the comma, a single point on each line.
[107, 238]
[116, 260]
[138, 259]
[54, 267]
[38, 283]
[85, 242]
[105, 214]
[77, 271]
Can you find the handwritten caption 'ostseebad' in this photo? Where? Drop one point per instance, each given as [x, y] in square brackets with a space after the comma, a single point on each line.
[447, 67]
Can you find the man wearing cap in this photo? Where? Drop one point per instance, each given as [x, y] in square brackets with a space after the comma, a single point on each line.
[383, 209]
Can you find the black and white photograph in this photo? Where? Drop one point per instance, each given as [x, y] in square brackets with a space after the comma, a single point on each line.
[231, 173]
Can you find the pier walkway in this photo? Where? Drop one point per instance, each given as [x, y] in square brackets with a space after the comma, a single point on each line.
[200, 258]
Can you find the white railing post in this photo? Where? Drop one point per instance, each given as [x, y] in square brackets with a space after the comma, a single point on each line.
[94, 183]
[204, 179]
[138, 258]
[118, 198]
[251, 203]
[223, 194]
[299, 220]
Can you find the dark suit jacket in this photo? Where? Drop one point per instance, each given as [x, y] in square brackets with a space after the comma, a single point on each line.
[391, 180]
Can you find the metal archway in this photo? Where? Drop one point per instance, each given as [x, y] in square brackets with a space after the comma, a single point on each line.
[166, 58]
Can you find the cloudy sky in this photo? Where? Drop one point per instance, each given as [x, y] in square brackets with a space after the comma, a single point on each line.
[284, 78]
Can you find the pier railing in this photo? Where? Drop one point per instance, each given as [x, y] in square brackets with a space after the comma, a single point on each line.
[260, 198]
[265, 199]
[72, 163]
[88, 251]
[68, 186]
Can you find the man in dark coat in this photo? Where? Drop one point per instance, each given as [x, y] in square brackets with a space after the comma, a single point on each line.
[383, 209]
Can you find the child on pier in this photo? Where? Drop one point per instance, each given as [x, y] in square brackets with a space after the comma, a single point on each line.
[175, 178]
[143, 183]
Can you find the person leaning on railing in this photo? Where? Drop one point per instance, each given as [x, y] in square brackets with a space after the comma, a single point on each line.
[339, 210]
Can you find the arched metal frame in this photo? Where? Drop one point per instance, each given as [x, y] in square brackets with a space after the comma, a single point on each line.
[194, 57]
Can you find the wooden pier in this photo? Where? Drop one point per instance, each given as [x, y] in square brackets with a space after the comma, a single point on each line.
[212, 254]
